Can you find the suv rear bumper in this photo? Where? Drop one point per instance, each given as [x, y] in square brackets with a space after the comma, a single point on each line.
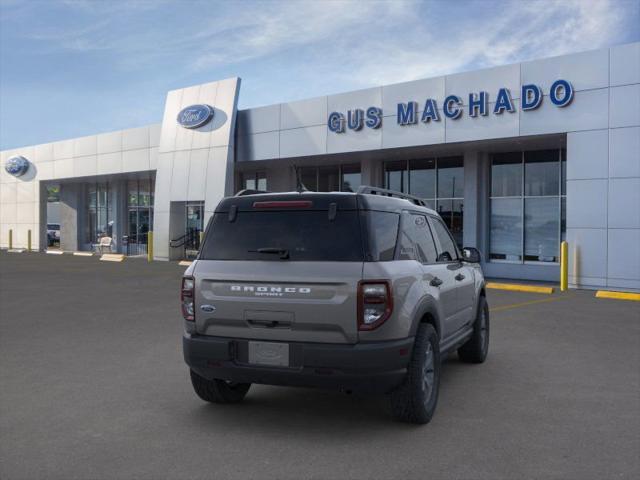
[363, 367]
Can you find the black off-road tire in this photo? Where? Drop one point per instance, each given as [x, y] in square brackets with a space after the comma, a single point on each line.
[218, 391]
[477, 347]
[415, 401]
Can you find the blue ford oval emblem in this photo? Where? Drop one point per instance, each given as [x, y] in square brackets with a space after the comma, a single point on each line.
[195, 116]
[17, 166]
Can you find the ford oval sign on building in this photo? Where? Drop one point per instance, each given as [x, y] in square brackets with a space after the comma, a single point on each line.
[195, 116]
[17, 166]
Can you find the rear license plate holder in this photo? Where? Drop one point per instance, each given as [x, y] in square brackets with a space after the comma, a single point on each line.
[269, 354]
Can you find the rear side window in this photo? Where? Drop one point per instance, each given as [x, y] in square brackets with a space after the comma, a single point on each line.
[448, 251]
[304, 235]
[383, 234]
[416, 242]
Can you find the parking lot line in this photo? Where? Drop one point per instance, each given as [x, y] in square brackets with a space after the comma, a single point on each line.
[524, 304]
[516, 287]
[618, 295]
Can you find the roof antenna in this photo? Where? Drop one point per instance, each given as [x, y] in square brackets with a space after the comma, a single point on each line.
[299, 185]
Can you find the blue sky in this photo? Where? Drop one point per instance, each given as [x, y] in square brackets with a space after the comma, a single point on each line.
[78, 67]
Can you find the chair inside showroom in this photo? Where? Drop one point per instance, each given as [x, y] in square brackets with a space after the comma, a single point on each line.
[104, 243]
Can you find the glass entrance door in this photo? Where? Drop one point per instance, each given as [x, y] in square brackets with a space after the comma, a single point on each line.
[193, 229]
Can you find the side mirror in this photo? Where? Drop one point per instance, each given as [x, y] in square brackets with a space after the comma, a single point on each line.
[470, 255]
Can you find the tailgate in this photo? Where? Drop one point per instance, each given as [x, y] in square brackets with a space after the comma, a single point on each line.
[281, 301]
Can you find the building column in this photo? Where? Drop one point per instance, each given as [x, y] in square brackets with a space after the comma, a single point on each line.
[70, 211]
[474, 200]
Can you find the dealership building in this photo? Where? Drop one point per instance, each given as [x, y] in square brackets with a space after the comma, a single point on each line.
[515, 158]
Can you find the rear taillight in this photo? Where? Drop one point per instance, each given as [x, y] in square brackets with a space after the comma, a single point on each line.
[375, 303]
[186, 298]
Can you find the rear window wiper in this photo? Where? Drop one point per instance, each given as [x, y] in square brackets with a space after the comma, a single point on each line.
[284, 253]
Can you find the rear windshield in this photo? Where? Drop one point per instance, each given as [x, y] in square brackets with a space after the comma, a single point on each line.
[285, 236]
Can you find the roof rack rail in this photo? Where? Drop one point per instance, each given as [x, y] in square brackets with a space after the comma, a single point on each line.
[249, 191]
[366, 189]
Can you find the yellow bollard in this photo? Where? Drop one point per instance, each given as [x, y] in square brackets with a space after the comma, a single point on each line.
[10, 239]
[29, 240]
[564, 266]
[150, 246]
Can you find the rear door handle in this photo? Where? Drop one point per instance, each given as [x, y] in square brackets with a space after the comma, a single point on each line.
[459, 277]
[435, 282]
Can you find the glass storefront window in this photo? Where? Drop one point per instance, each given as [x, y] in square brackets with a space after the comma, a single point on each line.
[331, 178]
[541, 227]
[395, 173]
[506, 229]
[351, 178]
[422, 175]
[506, 175]
[451, 212]
[254, 181]
[140, 215]
[450, 177]
[438, 181]
[527, 224]
[541, 173]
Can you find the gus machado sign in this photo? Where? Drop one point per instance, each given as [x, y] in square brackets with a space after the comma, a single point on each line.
[560, 95]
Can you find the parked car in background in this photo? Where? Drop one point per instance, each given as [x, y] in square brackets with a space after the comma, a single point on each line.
[53, 234]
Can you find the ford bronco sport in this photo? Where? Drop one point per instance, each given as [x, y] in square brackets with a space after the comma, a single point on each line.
[361, 291]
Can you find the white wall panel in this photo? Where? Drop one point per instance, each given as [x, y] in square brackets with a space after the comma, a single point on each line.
[110, 142]
[587, 111]
[180, 176]
[489, 80]
[154, 134]
[305, 113]
[588, 154]
[351, 141]
[303, 141]
[468, 128]
[417, 90]
[357, 99]
[63, 149]
[587, 252]
[63, 168]
[624, 152]
[135, 160]
[45, 170]
[624, 254]
[258, 120]
[110, 163]
[625, 64]
[85, 146]
[394, 135]
[587, 203]
[43, 153]
[8, 193]
[625, 106]
[135, 138]
[85, 166]
[259, 146]
[25, 192]
[218, 160]
[624, 203]
[197, 174]
[585, 71]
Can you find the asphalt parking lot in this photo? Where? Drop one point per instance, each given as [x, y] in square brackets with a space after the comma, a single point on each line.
[93, 386]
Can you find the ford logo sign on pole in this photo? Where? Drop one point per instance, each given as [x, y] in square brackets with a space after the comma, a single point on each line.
[17, 166]
[195, 116]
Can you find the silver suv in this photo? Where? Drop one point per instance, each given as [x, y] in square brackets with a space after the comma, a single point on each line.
[361, 291]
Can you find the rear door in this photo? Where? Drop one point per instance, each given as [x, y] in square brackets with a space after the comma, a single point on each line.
[463, 275]
[283, 273]
[417, 243]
